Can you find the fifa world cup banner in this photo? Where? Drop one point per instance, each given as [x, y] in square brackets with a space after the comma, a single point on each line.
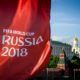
[24, 38]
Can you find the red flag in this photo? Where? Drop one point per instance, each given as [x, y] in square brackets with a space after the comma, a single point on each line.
[24, 38]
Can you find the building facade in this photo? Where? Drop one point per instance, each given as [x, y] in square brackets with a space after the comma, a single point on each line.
[57, 48]
[76, 47]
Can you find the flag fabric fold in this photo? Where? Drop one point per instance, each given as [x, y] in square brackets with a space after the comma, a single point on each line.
[24, 38]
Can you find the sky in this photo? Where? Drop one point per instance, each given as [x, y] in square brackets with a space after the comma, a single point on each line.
[65, 20]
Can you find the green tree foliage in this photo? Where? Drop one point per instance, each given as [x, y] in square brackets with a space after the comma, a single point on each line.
[53, 61]
[74, 62]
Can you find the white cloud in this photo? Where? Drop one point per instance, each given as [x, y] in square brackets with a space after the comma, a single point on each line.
[57, 38]
[65, 39]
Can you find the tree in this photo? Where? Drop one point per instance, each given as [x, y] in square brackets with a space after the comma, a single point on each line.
[75, 62]
[53, 61]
